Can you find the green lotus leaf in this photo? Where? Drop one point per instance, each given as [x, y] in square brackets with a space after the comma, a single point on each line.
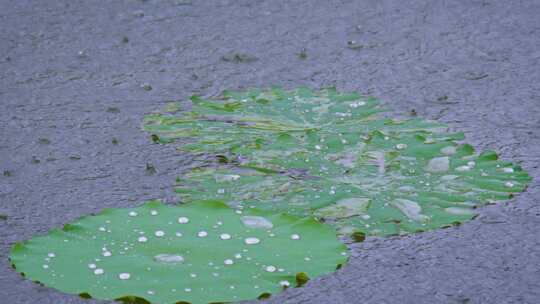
[197, 253]
[330, 155]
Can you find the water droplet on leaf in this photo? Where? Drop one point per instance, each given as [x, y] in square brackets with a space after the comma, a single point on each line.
[450, 150]
[401, 146]
[99, 271]
[463, 168]
[251, 241]
[438, 164]
[459, 211]
[169, 258]
[270, 268]
[411, 209]
[159, 233]
[256, 222]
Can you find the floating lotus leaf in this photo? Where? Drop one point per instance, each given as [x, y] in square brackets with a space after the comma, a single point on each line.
[196, 253]
[330, 155]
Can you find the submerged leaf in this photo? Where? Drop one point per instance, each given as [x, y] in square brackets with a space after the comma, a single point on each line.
[197, 253]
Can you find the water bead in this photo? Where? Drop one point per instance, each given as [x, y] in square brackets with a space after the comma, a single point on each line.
[142, 239]
[159, 233]
[225, 236]
[459, 211]
[256, 222]
[202, 234]
[132, 213]
[228, 262]
[227, 177]
[183, 220]
[401, 146]
[124, 276]
[463, 168]
[270, 268]
[99, 271]
[153, 212]
[438, 164]
[357, 104]
[295, 237]
[252, 241]
[450, 150]
[169, 258]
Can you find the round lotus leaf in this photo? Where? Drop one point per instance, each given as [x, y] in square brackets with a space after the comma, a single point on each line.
[331, 155]
[197, 253]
